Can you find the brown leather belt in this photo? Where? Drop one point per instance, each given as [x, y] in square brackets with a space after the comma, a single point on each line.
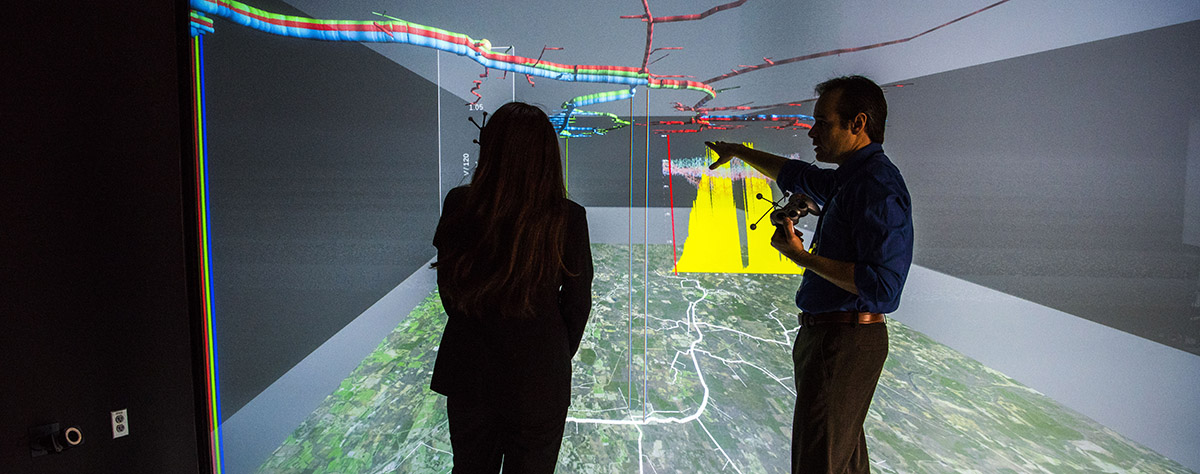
[845, 317]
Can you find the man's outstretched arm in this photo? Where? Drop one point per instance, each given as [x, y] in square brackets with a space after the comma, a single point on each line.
[766, 163]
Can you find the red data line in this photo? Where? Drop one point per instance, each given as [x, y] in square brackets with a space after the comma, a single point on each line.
[651, 20]
[769, 63]
[699, 16]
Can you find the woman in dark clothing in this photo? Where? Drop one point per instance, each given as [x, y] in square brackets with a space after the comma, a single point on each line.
[515, 275]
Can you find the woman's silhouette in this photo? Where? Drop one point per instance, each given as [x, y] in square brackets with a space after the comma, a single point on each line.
[515, 273]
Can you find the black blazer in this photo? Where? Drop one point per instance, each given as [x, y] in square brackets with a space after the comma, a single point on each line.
[494, 358]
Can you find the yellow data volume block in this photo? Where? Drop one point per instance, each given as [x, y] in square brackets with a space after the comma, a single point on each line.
[715, 244]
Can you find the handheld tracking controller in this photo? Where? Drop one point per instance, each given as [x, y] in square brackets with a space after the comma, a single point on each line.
[794, 210]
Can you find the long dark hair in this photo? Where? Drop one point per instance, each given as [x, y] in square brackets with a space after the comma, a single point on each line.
[516, 202]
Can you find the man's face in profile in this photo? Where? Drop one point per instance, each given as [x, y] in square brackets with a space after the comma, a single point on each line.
[830, 134]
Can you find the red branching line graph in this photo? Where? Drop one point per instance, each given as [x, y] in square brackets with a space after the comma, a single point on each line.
[771, 63]
[651, 20]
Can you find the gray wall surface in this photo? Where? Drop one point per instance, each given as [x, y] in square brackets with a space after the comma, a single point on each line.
[323, 189]
[1059, 177]
[1191, 220]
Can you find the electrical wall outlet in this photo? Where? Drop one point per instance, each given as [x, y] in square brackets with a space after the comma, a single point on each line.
[120, 423]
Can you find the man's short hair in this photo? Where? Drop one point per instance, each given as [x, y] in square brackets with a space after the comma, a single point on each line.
[859, 95]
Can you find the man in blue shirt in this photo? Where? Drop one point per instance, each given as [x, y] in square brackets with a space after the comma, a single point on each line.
[854, 272]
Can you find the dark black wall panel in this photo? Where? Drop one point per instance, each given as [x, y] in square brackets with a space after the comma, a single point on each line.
[93, 277]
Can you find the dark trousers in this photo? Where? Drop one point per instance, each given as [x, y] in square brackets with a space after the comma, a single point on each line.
[837, 367]
[524, 437]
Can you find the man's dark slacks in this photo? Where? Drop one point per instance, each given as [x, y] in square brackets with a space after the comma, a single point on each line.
[836, 367]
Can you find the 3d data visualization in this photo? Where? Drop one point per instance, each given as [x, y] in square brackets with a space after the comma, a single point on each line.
[1049, 152]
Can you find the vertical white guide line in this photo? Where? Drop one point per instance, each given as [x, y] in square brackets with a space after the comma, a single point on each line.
[629, 368]
[646, 269]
